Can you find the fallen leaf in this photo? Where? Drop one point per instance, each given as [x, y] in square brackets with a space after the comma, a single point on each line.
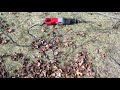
[52, 75]
[80, 63]
[10, 30]
[68, 30]
[43, 48]
[55, 68]
[56, 53]
[1, 33]
[4, 41]
[42, 29]
[78, 73]
[83, 34]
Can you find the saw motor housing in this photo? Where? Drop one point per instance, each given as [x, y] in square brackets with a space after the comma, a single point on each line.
[60, 21]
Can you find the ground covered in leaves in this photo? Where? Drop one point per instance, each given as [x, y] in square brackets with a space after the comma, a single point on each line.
[89, 49]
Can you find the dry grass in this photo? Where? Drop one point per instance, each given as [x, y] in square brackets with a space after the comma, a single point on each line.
[91, 36]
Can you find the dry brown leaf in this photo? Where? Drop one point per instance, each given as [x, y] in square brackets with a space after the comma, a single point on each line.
[57, 39]
[83, 34]
[55, 68]
[97, 51]
[83, 67]
[52, 75]
[10, 30]
[68, 30]
[78, 73]
[58, 74]
[74, 46]
[56, 53]
[47, 46]
[103, 56]
[4, 41]
[40, 55]
[66, 44]
[38, 64]
[1, 33]
[42, 29]
[43, 48]
[80, 63]
[44, 73]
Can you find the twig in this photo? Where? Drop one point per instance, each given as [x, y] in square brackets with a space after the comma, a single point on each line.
[115, 61]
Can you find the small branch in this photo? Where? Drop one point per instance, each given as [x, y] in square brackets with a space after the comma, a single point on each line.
[115, 61]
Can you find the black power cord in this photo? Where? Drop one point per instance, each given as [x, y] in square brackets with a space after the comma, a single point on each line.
[27, 32]
[32, 27]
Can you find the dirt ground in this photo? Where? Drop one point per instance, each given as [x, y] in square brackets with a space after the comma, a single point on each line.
[99, 35]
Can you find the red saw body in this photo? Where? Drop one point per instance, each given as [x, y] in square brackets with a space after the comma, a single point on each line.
[60, 21]
[51, 21]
